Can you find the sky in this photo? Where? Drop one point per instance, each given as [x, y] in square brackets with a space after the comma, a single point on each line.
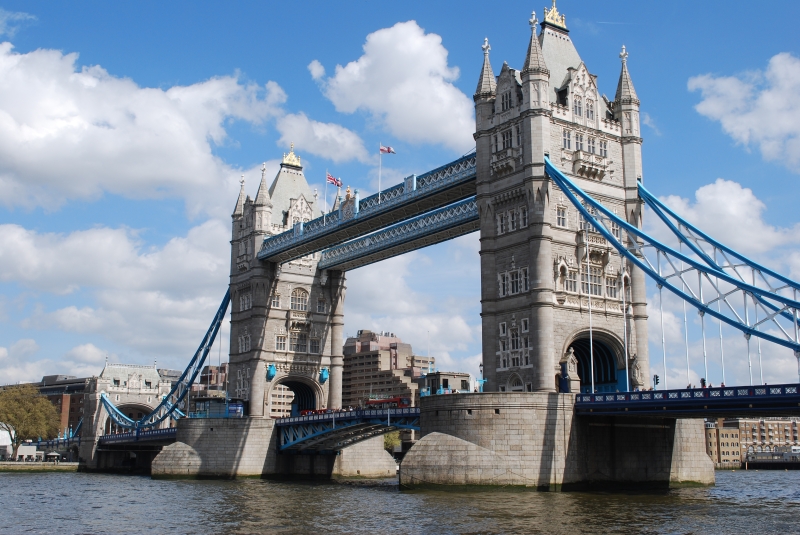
[124, 130]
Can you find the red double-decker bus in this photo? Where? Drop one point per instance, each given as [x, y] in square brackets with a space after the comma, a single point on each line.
[388, 403]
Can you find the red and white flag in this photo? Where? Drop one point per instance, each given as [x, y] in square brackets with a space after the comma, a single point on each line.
[333, 180]
[387, 150]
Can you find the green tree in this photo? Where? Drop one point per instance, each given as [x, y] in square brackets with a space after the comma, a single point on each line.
[26, 414]
[390, 440]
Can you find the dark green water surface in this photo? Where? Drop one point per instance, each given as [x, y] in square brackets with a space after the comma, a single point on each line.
[66, 503]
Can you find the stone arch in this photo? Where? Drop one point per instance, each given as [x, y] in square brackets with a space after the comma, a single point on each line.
[307, 395]
[515, 384]
[609, 363]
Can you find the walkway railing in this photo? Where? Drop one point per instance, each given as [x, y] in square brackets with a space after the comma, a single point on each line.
[153, 434]
[344, 415]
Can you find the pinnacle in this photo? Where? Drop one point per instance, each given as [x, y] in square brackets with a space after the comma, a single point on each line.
[486, 84]
[534, 59]
[238, 211]
[625, 90]
[262, 196]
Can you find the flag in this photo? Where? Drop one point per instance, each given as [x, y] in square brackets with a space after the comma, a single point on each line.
[333, 180]
[387, 150]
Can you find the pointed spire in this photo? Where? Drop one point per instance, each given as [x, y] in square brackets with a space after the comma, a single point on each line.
[626, 94]
[262, 197]
[239, 210]
[487, 85]
[534, 60]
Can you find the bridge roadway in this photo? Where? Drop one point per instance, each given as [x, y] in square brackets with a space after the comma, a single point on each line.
[745, 401]
[417, 195]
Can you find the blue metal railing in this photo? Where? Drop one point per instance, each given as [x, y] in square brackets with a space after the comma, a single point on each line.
[135, 436]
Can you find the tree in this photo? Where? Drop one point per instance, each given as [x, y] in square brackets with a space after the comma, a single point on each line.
[26, 414]
[390, 440]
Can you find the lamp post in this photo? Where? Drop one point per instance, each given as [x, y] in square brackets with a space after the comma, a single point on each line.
[482, 380]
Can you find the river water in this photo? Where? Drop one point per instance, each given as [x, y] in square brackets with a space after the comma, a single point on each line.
[66, 503]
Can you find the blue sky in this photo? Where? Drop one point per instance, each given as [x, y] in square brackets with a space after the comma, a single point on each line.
[124, 129]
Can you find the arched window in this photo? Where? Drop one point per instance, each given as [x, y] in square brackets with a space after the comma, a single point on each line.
[299, 299]
[577, 106]
[515, 385]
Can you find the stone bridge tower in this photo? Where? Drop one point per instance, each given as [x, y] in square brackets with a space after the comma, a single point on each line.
[541, 263]
[286, 320]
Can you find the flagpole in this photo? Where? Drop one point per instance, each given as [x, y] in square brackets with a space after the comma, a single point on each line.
[325, 215]
[380, 169]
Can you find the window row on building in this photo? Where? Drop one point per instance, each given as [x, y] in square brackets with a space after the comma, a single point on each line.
[594, 282]
[298, 342]
[299, 301]
[505, 139]
[579, 110]
[583, 142]
[513, 282]
[512, 220]
[562, 221]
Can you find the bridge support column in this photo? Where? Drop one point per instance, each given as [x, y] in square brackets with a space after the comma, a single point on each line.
[337, 282]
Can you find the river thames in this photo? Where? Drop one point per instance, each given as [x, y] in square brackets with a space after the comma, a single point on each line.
[66, 503]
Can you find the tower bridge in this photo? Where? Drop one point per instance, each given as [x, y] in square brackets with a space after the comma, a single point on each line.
[556, 189]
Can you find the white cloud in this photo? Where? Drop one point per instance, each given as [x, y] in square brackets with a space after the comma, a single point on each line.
[316, 69]
[76, 133]
[328, 140]
[10, 21]
[759, 108]
[732, 215]
[404, 82]
[88, 354]
[648, 121]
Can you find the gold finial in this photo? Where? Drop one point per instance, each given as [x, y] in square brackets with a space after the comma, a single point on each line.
[347, 193]
[552, 16]
[291, 158]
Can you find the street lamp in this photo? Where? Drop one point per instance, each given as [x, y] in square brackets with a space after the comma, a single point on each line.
[482, 380]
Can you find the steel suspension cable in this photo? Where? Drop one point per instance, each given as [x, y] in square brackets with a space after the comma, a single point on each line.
[625, 333]
[703, 328]
[685, 325]
[661, 308]
[747, 337]
[589, 293]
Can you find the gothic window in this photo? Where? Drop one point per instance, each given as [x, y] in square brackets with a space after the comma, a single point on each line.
[577, 107]
[515, 361]
[513, 218]
[501, 223]
[298, 342]
[276, 300]
[299, 299]
[566, 139]
[523, 273]
[519, 136]
[505, 100]
[590, 145]
[611, 287]
[578, 141]
[314, 346]
[561, 216]
[507, 139]
[245, 302]
[526, 345]
[504, 283]
[615, 230]
[516, 384]
[280, 343]
[502, 329]
[494, 143]
[571, 282]
[515, 282]
[244, 341]
[322, 306]
[525, 326]
[593, 284]
[504, 347]
[584, 224]
[590, 109]
[514, 339]
[524, 213]
[604, 149]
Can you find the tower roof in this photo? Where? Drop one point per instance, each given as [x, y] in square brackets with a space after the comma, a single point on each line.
[534, 59]
[625, 91]
[239, 209]
[558, 49]
[554, 18]
[290, 183]
[487, 85]
[262, 197]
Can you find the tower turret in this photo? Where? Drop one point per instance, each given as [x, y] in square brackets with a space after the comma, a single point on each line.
[262, 206]
[486, 92]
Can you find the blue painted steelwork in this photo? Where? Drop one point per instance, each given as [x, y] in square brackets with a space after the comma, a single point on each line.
[411, 191]
[171, 403]
[335, 430]
[425, 225]
[168, 434]
[783, 399]
[323, 375]
[271, 372]
[685, 276]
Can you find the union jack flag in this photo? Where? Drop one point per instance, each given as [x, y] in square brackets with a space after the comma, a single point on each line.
[333, 180]
[387, 150]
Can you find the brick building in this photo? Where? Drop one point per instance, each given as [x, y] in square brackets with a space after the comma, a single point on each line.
[380, 365]
[728, 441]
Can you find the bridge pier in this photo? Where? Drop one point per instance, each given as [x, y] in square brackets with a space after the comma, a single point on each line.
[535, 440]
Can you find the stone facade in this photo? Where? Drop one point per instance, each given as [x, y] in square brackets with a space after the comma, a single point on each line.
[534, 440]
[247, 447]
[541, 263]
[288, 316]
